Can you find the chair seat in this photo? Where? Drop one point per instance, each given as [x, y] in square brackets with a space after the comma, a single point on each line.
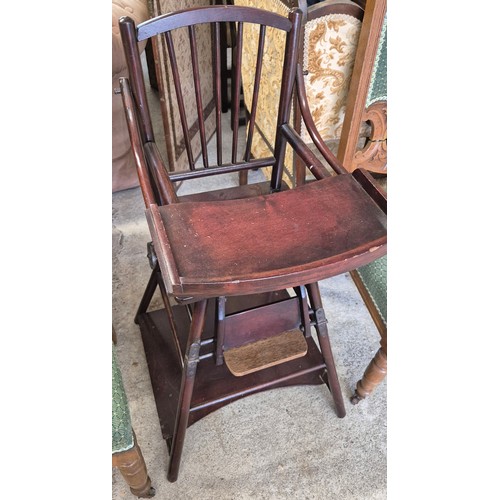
[298, 236]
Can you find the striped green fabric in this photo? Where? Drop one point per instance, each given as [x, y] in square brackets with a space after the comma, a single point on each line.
[374, 277]
[378, 83]
[123, 438]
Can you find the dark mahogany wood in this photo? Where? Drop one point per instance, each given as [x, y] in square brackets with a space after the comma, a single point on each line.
[214, 386]
[225, 261]
[292, 241]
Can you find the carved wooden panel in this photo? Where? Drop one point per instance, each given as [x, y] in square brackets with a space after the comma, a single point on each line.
[367, 99]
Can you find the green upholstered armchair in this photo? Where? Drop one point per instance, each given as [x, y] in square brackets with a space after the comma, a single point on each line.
[127, 455]
[371, 281]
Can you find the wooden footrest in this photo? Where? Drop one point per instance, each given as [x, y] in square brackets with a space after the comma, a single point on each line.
[265, 353]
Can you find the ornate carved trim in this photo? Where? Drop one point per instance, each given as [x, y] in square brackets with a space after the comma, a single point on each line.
[373, 156]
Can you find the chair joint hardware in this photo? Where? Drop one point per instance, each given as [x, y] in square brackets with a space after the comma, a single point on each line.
[117, 91]
[318, 319]
[191, 358]
[153, 259]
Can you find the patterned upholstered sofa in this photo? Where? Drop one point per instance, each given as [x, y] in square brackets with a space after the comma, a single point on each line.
[330, 36]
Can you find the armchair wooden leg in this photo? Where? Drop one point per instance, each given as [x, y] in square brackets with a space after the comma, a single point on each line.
[133, 469]
[326, 349]
[374, 374]
[190, 364]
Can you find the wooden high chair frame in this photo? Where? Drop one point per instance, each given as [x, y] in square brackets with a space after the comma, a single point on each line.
[238, 268]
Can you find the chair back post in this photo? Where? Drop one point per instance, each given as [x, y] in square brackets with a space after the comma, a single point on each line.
[284, 108]
[129, 40]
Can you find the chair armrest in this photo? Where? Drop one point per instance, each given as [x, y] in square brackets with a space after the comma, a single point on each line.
[305, 111]
[135, 136]
[367, 182]
[302, 149]
[147, 156]
[165, 187]
[329, 49]
[326, 7]
[362, 176]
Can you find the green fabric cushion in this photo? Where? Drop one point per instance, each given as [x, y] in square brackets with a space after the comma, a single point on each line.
[374, 277]
[378, 84]
[123, 438]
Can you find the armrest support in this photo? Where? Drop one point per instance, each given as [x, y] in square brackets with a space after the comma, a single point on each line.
[147, 156]
[159, 170]
[366, 180]
[311, 127]
[137, 150]
[308, 157]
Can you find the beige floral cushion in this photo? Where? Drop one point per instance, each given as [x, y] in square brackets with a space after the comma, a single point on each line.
[328, 54]
[329, 51]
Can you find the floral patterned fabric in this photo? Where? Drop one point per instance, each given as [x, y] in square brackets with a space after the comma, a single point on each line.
[329, 50]
[272, 66]
[328, 53]
[174, 138]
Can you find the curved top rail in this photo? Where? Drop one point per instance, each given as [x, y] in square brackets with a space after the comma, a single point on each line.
[212, 13]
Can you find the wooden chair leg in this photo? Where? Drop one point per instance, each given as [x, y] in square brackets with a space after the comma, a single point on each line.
[148, 293]
[186, 391]
[326, 349]
[132, 467]
[374, 374]
[243, 177]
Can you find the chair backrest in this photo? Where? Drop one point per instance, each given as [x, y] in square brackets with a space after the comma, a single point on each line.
[179, 30]
[330, 33]
[367, 99]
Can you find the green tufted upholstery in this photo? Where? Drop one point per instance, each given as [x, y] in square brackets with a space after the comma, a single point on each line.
[374, 277]
[123, 438]
[378, 83]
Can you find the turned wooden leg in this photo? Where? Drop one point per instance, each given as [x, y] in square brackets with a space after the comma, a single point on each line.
[326, 349]
[133, 469]
[191, 361]
[374, 374]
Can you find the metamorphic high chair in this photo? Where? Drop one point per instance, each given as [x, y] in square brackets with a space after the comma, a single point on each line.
[238, 268]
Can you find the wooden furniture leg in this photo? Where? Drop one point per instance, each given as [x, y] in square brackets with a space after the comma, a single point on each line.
[191, 361]
[375, 372]
[148, 293]
[326, 349]
[132, 467]
[372, 288]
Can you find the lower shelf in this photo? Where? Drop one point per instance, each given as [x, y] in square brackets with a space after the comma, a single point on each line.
[215, 386]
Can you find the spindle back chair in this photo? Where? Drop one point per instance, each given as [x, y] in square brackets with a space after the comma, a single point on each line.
[237, 268]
